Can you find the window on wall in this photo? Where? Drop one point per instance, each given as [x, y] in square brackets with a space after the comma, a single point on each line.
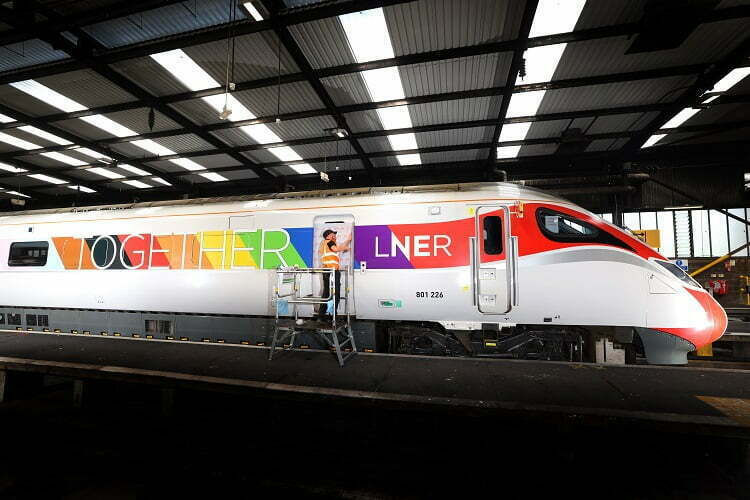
[28, 253]
[737, 231]
[719, 233]
[665, 225]
[632, 220]
[648, 220]
[701, 235]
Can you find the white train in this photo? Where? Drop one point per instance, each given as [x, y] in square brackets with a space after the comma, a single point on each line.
[471, 269]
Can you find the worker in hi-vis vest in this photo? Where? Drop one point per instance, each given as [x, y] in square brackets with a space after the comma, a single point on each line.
[329, 251]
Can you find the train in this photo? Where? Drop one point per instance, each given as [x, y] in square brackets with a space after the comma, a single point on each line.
[481, 269]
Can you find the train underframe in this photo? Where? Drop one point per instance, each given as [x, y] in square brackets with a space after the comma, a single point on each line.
[531, 342]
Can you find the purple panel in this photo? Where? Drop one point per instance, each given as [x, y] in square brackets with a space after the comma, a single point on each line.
[366, 237]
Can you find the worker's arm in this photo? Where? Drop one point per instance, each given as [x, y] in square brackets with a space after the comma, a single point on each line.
[342, 247]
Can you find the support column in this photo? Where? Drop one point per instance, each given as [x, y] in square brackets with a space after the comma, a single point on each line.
[78, 393]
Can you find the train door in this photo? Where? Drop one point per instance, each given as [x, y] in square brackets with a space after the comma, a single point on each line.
[494, 260]
[343, 225]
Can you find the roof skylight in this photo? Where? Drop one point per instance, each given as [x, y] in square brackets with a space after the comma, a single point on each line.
[45, 135]
[16, 193]
[213, 176]
[82, 189]
[12, 169]
[47, 178]
[369, 40]
[551, 17]
[160, 181]
[109, 174]
[5, 119]
[730, 80]
[195, 78]
[253, 11]
[132, 169]
[41, 92]
[137, 184]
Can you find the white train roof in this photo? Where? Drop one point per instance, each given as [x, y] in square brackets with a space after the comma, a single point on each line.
[336, 197]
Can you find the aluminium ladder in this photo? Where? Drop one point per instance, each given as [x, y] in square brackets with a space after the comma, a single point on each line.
[336, 334]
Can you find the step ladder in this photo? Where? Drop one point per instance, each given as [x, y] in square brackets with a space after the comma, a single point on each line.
[288, 290]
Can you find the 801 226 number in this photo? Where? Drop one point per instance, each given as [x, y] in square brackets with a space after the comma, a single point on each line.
[429, 294]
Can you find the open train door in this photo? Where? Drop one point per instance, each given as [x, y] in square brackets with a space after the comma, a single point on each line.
[343, 224]
[494, 260]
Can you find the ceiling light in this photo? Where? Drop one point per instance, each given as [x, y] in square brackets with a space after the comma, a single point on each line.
[681, 118]
[556, 16]
[6, 119]
[653, 140]
[253, 11]
[195, 78]
[213, 176]
[105, 173]
[369, 40]
[82, 189]
[47, 178]
[731, 79]
[137, 184]
[68, 160]
[508, 152]
[188, 164]
[48, 96]
[16, 193]
[63, 103]
[15, 141]
[160, 181]
[45, 135]
[541, 62]
[12, 169]
[132, 169]
[410, 159]
[514, 131]
[303, 168]
[525, 103]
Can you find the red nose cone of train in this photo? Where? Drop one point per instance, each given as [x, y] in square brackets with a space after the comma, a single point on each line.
[710, 328]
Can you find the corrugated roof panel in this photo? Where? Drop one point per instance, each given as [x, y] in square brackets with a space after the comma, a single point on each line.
[28, 53]
[364, 121]
[720, 113]
[601, 145]
[184, 143]
[459, 110]
[429, 25]
[209, 161]
[22, 181]
[737, 134]
[134, 119]
[538, 149]
[149, 75]
[304, 128]
[466, 73]
[235, 175]
[164, 21]
[34, 139]
[43, 161]
[708, 43]
[255, 57]
[621, 123]
[24, 103]
[582, 123]
[262, 102]
[614, 94]
[233, 137]
[346, 89]
[87, 88]
[597, 14]
[373, 144]
[552, 128]
[323, 43]
[323, 149]
[260, 156]
[443, 157]
[452, 137]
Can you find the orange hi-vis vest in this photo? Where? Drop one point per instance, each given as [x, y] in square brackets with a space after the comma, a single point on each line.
[328, 258]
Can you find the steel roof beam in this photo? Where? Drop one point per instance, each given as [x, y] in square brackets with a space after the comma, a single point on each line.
[294, 50]
[523, 34]
[82, 52]
[713, 127]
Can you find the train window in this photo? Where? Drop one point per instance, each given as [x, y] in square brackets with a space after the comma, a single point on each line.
[28, 253]
[154, 326]
[31, 320]
[14, 319]
[564, 228]
[43, 320]
[2, 319]
[677, 272]
[493, 235]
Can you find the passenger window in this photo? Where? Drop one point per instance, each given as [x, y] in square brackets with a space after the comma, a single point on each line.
[31, 320]
[43, 320]
[2, 319]
[492, 235]
[14, 319]
[28, 253]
